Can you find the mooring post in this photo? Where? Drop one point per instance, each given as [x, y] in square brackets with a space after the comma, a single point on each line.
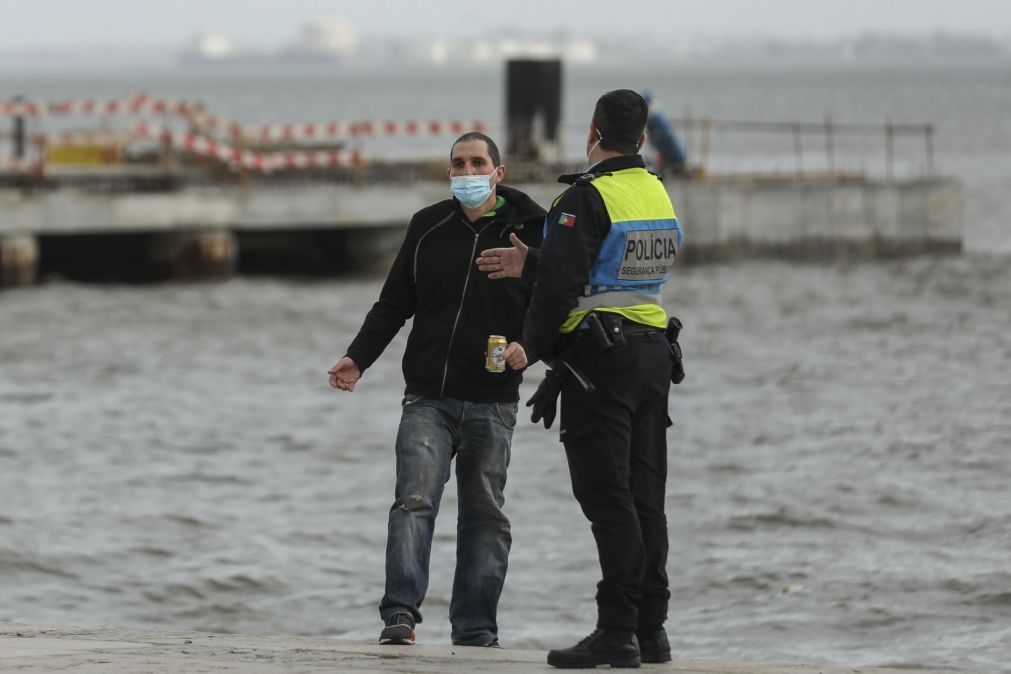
[19, 260]
[195, 255]
[18, 133]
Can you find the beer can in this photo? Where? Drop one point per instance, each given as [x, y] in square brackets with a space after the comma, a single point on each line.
[494, 362]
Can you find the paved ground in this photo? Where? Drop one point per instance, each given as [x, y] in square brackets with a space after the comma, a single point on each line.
[37, 648]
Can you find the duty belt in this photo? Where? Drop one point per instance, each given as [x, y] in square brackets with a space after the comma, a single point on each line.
[608, 330]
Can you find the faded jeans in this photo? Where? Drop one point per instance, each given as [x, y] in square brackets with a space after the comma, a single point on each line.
[432, 432]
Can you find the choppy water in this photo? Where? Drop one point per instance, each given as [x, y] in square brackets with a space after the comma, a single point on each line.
[171, 456]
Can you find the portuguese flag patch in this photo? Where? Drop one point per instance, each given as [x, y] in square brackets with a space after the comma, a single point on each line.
[567, 220]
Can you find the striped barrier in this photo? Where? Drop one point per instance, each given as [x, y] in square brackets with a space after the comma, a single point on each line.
[14, 165]
[216, 138]
[310, 131]
[139, 104]
[264, 162]
[142, 104]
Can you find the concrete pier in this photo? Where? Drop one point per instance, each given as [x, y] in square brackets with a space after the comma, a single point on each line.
[35, 648]
[201, 231]
[19, 260]
[817, 218]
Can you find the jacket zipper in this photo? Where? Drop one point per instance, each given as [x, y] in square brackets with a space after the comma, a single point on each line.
[459, 310]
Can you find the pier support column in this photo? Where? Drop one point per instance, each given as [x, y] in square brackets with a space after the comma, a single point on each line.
[196, 255]
[19, 260]
[370, 250]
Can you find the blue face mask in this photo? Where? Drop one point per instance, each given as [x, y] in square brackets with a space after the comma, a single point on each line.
[472, 191]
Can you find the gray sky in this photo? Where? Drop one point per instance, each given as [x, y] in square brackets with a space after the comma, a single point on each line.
[62, 23]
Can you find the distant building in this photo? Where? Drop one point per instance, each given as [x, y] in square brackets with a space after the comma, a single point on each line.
[327, 40]
[495, 50]
[212, 46]
[570, 49]
[324, 39]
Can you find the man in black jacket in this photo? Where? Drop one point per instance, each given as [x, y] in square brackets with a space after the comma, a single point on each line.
[453, 405]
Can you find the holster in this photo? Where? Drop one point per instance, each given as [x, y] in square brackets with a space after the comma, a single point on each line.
[606, 329]
[672, 332]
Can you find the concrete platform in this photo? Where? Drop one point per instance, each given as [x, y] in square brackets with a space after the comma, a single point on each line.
[37, 648]
[205, 231]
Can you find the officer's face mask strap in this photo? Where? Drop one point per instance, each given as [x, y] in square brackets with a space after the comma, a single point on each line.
[590, 150]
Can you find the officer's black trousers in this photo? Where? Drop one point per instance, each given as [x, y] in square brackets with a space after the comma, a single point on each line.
[616, 445]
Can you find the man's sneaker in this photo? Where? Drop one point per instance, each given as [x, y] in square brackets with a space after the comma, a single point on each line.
[399, 630]
[653, 645]
[603, 647]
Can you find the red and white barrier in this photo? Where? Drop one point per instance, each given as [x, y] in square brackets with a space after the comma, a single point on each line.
[142, 104]
[21, 109]
[204, 139]
[139, 104]
[12, 165]
[238, 158]
[309, 131]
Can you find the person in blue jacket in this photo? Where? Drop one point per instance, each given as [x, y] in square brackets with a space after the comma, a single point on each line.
[672, 159]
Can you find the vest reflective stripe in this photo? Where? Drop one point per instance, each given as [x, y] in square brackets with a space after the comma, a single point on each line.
[647, 314]
[635, 257]
[621, 298]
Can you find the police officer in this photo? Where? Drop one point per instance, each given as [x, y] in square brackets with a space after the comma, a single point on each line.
[610, 241]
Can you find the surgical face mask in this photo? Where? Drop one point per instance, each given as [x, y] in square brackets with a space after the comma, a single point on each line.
[472, 191]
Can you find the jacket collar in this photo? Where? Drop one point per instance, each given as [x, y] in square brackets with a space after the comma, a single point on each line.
[518, 206]
[620, 163]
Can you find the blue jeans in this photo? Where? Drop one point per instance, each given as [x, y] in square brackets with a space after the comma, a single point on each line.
[432, 432]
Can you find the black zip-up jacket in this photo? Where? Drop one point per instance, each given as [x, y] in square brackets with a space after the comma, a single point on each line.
[455, 305]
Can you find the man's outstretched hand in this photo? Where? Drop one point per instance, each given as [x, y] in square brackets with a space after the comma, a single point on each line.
[504, 262]
[344, 374]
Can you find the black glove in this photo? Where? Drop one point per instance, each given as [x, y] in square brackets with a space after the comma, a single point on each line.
[545, 398]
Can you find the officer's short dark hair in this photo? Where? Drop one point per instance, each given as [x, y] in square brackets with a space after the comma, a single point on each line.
[496, 158]
[620, 117]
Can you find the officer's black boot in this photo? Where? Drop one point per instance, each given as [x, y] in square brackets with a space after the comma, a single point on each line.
[653, 645]
[603, 647]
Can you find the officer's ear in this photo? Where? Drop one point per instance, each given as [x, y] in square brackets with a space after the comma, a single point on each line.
[642, 140]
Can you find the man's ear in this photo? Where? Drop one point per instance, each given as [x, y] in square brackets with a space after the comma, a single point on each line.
[642, 141]
[500, 169]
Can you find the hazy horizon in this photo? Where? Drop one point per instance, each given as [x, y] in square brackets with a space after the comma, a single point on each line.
[161, 24]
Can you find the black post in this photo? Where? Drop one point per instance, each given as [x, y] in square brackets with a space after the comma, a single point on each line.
[18, 133]
[533, 109]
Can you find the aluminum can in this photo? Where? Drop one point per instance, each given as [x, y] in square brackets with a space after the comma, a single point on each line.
[494, 362]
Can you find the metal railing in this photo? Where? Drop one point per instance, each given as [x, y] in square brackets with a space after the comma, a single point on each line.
[699, 132]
